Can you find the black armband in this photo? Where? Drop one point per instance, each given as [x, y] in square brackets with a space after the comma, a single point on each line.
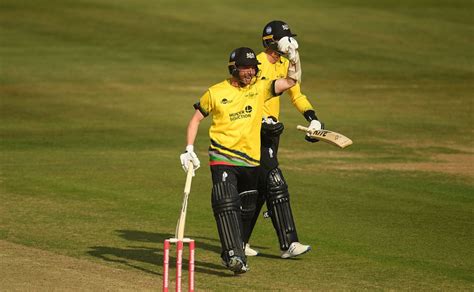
[198, 107]
[310, 115]
[273, 89]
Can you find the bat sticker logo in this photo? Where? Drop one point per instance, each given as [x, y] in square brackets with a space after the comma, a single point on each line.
[320, 133]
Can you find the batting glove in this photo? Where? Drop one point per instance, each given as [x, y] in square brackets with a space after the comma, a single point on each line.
[314, 125]
[285, 43]
[188, 156]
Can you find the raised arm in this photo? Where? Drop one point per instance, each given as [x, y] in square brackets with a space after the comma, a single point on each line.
[289, 46]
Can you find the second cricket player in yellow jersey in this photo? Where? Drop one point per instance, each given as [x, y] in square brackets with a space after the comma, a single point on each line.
[237, 116]
[275, 71]
[280, 47]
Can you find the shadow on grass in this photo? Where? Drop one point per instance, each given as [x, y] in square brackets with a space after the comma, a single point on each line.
[150, 259]
[268, 256]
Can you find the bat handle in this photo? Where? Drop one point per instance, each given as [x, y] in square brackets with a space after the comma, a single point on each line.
[189, 177]
[190, 167]
[302, 128]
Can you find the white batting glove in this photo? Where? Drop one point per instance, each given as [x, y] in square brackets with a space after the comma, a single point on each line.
[188, 156]
[285, 43]
[315, 125]
[293, 43]
[293, 56]
[294, 70]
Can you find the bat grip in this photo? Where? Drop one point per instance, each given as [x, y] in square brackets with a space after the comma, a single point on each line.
[190, 166]
[302, 128]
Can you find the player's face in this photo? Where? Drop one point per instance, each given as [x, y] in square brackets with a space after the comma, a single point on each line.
[276, 55]
[246, 74]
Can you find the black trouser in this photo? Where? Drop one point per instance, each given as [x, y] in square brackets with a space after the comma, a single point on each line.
[243, 178]
[234, 196]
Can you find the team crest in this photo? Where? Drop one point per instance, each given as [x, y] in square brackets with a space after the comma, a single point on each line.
[285, 27]
[250, 56]
[268, 29]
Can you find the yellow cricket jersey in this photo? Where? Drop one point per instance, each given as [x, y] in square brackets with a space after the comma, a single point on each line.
[279, 70]
[236, 121]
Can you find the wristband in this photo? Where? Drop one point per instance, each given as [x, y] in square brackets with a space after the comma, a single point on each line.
[310, 115]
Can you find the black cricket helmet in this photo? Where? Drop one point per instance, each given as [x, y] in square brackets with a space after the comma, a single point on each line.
[242, 56]
[273, 32]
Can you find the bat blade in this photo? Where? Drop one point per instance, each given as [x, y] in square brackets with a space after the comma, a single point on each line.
[327, 136]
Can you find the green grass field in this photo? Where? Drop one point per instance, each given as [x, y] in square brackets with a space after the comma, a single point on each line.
[95, 100]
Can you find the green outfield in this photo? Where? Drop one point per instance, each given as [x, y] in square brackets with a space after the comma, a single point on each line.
[95, 100]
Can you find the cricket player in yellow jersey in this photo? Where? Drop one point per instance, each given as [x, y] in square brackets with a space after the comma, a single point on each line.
[236, 106]
[279, 44]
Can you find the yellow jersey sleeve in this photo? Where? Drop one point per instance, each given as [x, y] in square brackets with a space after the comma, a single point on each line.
[299, 100]
[205, 104]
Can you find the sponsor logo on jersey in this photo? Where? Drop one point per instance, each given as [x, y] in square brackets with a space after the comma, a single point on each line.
[225, 101]
[243, 114]
[250, 95]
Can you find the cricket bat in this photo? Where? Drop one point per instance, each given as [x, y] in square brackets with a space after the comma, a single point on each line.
[327, 136]
[179, 234]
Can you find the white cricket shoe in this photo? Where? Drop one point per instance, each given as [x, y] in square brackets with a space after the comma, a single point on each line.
[295, 249]
[250, 252]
